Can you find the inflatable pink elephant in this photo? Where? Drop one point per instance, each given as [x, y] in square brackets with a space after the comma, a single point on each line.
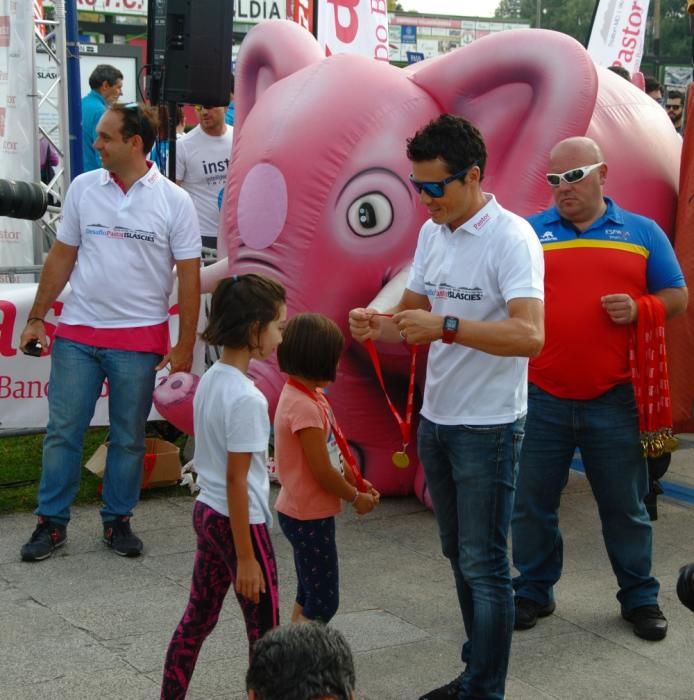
[318, 194]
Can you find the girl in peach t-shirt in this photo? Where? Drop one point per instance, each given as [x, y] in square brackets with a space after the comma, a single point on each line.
[308, 464]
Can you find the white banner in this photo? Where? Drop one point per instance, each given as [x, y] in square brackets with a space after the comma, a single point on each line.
[245, 11]
[618, 33]
[18, 130]
[254, 11]
[24, 379]
[118, 7]
[354, 26]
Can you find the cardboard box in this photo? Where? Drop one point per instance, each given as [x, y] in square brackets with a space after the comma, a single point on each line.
[162, 463]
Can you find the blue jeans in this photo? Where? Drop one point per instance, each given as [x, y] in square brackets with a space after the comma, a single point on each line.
[77, 374]
[606, 430]
[470, 473]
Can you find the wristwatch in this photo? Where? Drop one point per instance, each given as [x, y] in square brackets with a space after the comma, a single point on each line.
[450, 329]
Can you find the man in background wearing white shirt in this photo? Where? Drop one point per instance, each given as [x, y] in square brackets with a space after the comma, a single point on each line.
[202, 161]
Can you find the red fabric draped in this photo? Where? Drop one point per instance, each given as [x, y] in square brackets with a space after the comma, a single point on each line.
[681, 328]
[649, 375]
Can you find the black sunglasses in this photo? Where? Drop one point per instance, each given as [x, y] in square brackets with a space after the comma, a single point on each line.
[436, 189]
[135, 107]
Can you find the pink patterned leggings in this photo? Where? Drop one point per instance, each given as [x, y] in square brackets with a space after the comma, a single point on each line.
[214, 572]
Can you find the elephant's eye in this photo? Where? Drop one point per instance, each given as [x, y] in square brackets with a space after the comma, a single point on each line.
[370, 214]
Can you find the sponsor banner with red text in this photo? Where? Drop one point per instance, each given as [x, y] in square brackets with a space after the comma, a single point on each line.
[117, 7]
[301, 12]
[18, 131]
[245, 11]
[618, 33]
[354, 26]
[38, 16]
[24, 379]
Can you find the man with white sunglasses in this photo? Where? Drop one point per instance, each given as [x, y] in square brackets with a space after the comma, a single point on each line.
[599, 261]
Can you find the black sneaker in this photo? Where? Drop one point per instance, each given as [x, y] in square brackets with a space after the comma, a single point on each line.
[45, 539]
[120, 538]
[649, 622]
[527, 612]
[685, 586]
[445, 692]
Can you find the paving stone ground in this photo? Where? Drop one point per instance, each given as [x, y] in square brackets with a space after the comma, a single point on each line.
[88, 625]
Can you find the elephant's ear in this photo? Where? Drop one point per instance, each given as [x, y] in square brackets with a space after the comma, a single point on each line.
[526, 90]
[272, 50]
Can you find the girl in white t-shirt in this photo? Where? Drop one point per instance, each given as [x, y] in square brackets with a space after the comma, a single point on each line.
[308, 465]
[231, 516]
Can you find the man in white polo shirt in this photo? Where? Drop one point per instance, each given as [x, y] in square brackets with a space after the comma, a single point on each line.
[202, 162]
[123, 227]
[475, 293]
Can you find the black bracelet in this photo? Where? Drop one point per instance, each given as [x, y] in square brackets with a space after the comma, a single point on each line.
[34, 318]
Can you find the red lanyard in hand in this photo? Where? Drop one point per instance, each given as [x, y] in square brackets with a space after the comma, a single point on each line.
[400, 458]
[340, 438]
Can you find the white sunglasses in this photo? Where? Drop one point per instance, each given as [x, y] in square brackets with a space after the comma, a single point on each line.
[572, 176]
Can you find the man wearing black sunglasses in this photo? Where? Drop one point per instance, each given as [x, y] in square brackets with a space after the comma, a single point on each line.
[474, 295]
[600, 260]
[674, 107]
[123, 228]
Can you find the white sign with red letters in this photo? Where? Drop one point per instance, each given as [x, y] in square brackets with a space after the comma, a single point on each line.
[119, 7]
[354, 26]
[18, 131]
[24, 379]
[618, 33]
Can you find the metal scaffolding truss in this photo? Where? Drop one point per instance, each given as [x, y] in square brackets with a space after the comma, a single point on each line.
[51, 101]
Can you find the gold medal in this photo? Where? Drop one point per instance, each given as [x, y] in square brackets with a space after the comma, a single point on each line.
[401, 460]
[671, 443]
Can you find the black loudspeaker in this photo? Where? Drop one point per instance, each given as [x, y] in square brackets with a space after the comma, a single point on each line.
[189, 51]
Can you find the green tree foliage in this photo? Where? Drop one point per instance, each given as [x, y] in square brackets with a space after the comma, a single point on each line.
[573, 17]
[675, 39]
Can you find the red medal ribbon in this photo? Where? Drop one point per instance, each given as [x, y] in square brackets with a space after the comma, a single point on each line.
[404, 425]
[340, 438]
[649, 375]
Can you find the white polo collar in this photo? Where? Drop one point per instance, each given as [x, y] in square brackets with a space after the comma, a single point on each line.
[149, 179]
[484, 219]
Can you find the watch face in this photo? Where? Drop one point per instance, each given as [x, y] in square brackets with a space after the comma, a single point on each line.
[450, 323]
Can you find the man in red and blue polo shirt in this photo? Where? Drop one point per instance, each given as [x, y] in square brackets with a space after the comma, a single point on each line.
[598, 260]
